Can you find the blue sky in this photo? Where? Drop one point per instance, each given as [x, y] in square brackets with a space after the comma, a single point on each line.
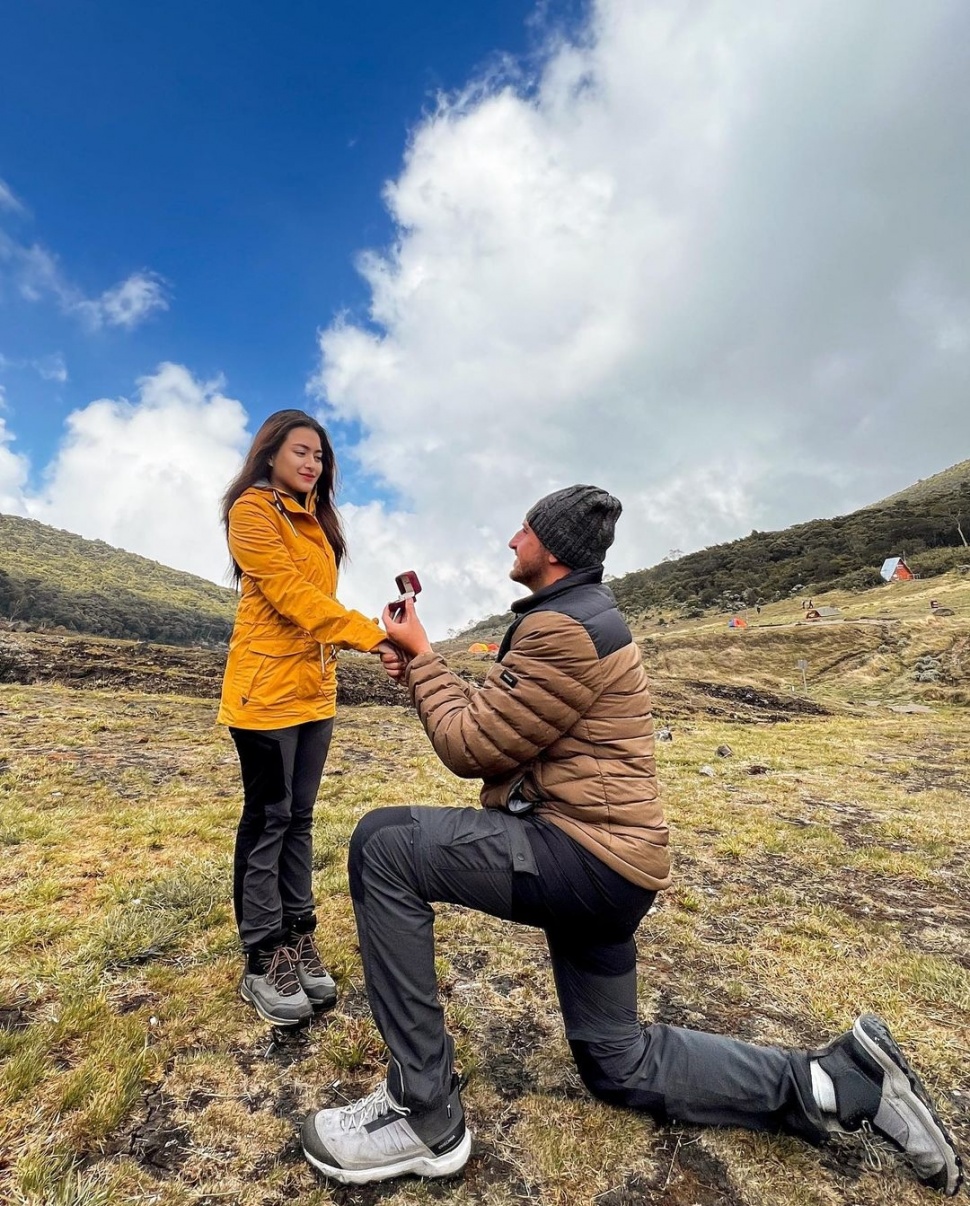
[236, 151]
[713, 257]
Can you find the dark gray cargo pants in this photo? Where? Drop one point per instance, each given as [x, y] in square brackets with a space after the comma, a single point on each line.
[273, 860]
[402, 859]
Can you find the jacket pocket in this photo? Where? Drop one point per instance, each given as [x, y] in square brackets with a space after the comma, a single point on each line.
[270, 672]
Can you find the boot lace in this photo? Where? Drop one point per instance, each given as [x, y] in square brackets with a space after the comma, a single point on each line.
[306, 953]
[281, 972]
[359, 1113]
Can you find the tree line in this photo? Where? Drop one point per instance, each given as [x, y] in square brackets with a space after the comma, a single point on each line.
[845, 552]
[121, 613]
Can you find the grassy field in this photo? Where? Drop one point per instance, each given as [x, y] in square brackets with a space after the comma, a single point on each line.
[821, 870]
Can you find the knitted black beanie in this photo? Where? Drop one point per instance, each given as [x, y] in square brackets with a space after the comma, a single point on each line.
[576, 525]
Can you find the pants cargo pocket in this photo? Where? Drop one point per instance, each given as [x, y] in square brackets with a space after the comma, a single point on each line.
[469, 856]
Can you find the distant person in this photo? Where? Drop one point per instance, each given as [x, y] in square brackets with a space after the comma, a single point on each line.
[571, 839]
[279, 697]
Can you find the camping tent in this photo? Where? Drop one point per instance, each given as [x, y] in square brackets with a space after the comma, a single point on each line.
[822, 613]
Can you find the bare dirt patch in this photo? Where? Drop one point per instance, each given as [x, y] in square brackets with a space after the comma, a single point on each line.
[94, 663]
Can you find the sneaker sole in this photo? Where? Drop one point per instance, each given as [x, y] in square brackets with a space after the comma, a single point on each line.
[422, 1166]
[873, 1035]
[248, 997]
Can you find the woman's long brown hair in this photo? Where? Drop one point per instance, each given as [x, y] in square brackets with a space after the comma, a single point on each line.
[256, 468]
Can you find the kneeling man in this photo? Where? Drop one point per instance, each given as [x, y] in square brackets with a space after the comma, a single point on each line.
[571, 839]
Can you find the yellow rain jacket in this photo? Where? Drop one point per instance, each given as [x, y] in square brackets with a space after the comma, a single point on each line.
[281, 669]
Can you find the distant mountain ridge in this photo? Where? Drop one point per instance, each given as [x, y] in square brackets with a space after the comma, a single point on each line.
[50, 578]
[923, 522]
[929, 522]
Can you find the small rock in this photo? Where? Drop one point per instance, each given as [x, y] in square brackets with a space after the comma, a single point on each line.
[706, 770]
[664, 734]
[143, 740]
[756, 769]
[724, 751]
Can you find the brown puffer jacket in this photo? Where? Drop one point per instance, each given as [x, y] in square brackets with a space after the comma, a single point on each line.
[563, 718]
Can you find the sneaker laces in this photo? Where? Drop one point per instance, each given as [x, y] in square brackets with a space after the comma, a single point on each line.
[306, 953]
[366, 1109]
[281, 972]
[875, 1146]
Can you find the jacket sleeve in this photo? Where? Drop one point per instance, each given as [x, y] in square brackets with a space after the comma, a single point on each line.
[255, 543]
[546, 682]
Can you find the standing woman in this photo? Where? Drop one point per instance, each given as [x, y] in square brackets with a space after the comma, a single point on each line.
[279, 696]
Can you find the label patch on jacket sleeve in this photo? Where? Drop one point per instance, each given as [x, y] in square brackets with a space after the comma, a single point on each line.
[509, 678]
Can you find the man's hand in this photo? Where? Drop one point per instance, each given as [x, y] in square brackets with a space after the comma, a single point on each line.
[405, 629]
[393, 660]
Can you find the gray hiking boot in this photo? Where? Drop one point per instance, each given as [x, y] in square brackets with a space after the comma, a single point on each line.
[314, 978]
[276, 993]
[374, 1139]
[876, 1088]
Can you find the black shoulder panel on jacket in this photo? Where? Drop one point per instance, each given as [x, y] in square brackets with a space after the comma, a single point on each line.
[593, 606]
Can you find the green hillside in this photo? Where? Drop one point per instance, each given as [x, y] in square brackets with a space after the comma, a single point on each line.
[50, 578]
[924, 522]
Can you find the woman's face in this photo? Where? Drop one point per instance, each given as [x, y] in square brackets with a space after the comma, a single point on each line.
[298, 462]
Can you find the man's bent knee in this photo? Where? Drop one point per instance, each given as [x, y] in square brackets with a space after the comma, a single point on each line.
[371, 824]
[606, 1079]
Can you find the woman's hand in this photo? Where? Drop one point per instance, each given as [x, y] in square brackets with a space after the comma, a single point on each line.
[405, 629]
[393, 660]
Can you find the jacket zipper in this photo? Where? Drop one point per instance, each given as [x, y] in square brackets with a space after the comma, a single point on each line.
[328, 653]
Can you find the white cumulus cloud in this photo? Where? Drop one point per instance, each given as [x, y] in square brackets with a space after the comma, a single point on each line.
[13, 468]
[126, 304]
[147, 474]
[712, 257]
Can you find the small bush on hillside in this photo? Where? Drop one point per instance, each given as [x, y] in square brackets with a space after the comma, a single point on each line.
[939, 561]
[858, 580]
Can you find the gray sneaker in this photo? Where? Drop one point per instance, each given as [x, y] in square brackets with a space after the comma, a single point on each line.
[276, 993]
[374, 1139]
[875, 1087]
[314, 978]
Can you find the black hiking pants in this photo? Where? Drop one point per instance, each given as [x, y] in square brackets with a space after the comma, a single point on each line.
[273, 862]
[402, 859]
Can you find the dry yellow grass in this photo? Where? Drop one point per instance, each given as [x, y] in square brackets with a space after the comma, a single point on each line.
[130, 1071]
